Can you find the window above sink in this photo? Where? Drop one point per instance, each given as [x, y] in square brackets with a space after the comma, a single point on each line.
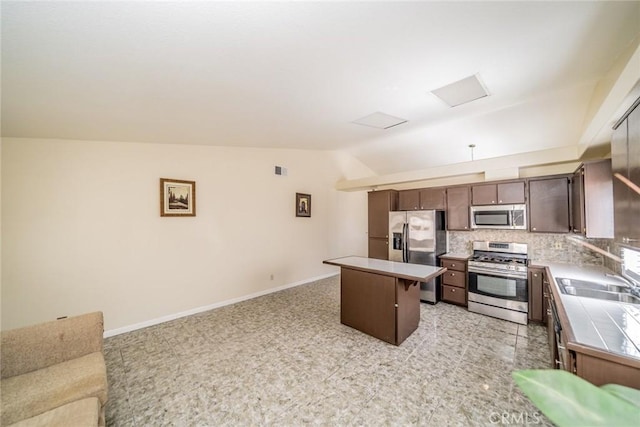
[631, 264]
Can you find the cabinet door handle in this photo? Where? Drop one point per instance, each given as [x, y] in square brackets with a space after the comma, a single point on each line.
[453, 274]
[453, 265]
[453, 290]
[533, 228]
[499, 201]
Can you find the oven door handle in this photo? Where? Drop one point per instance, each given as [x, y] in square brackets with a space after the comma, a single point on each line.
[556, 319]
[509, 275]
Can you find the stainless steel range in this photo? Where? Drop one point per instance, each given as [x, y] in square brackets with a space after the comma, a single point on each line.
[498, 280]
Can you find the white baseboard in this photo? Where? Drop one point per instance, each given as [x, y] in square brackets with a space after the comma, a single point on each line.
[145, 324]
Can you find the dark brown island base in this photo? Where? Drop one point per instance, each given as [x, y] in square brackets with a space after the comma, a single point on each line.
[382, 298]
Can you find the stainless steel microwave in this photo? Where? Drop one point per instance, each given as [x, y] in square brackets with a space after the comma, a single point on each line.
[509, 217]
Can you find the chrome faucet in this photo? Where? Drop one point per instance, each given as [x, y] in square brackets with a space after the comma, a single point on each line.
[634, 287]
[618, 277]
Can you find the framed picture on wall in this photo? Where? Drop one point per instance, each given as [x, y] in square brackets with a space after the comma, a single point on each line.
[177, 197]
[303, 204]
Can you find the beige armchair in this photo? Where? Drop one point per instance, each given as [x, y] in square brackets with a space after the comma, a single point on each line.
[54, 373]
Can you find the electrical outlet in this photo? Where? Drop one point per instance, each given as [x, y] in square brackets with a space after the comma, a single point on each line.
[557, 245]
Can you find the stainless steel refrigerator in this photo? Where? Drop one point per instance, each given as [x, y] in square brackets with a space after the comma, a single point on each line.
[419, 237]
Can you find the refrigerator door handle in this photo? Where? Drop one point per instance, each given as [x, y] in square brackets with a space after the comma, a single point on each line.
[405, 243]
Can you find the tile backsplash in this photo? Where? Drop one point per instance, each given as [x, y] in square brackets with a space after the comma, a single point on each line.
[541, 246]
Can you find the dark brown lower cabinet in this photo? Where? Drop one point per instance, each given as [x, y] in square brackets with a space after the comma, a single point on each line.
[536, 301]
[454, 280]
[384, 307]
[454, 294]
[600, 371]
[551, 333]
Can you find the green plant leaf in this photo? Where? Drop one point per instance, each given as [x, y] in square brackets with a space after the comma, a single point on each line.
[629, 394]
[568, 400]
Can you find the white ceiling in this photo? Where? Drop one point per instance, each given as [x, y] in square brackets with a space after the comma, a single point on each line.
[297, 74]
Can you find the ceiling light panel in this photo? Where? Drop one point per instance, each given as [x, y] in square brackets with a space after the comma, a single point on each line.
[463, 91]
[380, 120]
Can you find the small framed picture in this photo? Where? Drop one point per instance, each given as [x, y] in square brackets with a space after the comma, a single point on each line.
[177, 197]
[303, 204]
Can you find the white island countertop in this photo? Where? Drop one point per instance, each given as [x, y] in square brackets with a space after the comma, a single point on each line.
[401, 270]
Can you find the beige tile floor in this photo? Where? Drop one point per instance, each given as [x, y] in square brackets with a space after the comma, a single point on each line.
[285, 360]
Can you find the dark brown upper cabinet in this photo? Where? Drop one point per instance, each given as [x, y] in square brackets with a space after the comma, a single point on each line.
[380, 204]
[433, 198]
[625, 164]
[409, 200]
[498, 194]
[422, 199]
[549, 205]
[592, 200]
[458, 204]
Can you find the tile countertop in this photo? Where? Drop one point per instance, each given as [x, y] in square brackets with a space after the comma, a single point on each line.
[604, 325]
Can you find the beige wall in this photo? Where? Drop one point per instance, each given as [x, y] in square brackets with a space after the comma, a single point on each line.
[82, 230]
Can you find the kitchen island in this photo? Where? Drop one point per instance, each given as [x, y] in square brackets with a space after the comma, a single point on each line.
[382, 298]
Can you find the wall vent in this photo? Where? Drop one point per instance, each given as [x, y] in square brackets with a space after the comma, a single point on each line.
[462, 91]
[281, 171]
[380, 120]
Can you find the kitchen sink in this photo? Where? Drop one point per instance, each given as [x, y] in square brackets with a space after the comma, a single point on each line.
[582, 284]
[609, 296]
[606, 291]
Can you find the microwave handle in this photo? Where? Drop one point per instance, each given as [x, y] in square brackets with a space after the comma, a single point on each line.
[522, 217]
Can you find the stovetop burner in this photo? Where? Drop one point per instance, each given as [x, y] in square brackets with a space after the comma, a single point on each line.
[499, 256]
[499, 259]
